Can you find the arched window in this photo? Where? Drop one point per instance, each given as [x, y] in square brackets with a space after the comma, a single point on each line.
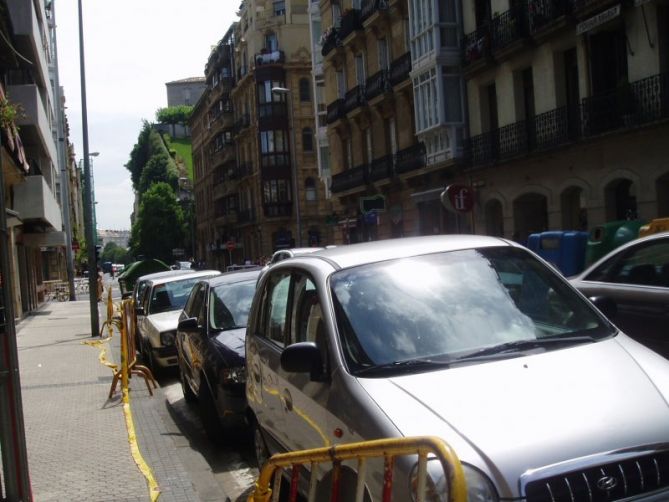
[310, 189]
[305, 92]
[307, 140]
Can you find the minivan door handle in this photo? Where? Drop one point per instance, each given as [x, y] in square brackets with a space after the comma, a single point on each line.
[287, 400]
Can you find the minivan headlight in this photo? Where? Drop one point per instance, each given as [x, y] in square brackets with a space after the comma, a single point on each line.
[167, 338]
[479, 487]
[235, 374]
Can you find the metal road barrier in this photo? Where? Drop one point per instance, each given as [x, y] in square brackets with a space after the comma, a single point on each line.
[111, 320]
[389, 449]
[129, 365]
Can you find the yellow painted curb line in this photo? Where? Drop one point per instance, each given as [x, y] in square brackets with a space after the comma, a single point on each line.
[154, 491]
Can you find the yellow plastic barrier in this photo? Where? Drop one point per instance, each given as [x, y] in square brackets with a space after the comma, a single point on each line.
[111, 320]
[129, 365]
[389, 449]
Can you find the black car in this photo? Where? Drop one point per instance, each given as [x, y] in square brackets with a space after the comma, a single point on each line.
[210, 346]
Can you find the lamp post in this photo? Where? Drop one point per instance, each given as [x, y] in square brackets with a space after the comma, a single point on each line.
[93, 201]
[283, 91]
[88, 216]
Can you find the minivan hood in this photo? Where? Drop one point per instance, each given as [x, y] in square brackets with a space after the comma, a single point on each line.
[512, 415]
[231, 340]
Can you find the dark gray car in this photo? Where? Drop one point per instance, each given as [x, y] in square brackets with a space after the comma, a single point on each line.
[636, 277]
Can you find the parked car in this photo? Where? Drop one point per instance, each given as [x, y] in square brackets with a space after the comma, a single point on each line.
[210, 348]
[284, 254]
[636, 277]
[158, 312]
[473, 339]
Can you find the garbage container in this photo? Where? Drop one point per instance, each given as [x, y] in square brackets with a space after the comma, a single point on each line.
[655, 226]
[134, 271]
[565, 249]
[605, 238]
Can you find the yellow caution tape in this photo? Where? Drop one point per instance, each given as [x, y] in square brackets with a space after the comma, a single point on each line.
[154, 491]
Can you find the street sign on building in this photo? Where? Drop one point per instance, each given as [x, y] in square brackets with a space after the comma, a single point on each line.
[458, 198]
[230, 245]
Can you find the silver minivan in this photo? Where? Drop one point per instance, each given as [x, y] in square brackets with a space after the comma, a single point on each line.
[473, 339]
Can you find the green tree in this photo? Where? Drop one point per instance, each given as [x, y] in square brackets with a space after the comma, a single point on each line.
[159, 168]
[140, 154]
[159, 226]
[174, 115]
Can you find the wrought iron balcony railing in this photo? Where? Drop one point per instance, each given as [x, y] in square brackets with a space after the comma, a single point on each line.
[351, 178]
[476, 45]
[354, 98]
[350, 22]
[400, 68]
[629, 105]
[381, 168]
[369, 7]
[508, 27]
[335, 111]
[377, 84]
[410, 159]
[273, 57]
[330, 42]
[541, 13]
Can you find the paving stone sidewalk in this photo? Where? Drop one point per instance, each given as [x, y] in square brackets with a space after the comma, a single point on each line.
[76, 438]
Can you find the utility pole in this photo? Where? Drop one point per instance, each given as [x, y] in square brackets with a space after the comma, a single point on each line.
[88, 213]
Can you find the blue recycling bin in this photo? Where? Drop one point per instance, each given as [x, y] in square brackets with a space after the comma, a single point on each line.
[565, 249]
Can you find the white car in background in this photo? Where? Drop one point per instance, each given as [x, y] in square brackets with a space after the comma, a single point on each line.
[158, 311]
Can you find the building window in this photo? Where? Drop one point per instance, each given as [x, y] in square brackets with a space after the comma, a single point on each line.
[265, 94]
[360, 69]
[341, 84]
[425, 96]
[305, 91]
[276, 191]
[310, 189]
[422, 29]
[273, 141]
[279, 7]
[384, 55]
[307, 140]
[271, 42]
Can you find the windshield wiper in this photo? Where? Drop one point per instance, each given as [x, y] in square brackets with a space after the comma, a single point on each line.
[518, 346]
[399, 366]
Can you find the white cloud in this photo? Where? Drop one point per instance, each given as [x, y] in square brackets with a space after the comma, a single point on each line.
[132, 48]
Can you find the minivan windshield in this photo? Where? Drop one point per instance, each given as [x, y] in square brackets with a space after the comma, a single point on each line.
[454, 307]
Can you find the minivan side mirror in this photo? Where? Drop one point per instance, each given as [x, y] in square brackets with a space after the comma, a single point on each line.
[188, 325]
[606, 305]
[303, 357]
[139, 310]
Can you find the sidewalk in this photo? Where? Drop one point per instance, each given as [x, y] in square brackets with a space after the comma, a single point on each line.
[77, 440]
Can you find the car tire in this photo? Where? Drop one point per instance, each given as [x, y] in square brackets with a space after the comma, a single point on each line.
[189, 396]
[147, 356]
[259, 445]
[208, 414]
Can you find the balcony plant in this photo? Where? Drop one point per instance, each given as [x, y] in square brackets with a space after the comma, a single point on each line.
[9, 112]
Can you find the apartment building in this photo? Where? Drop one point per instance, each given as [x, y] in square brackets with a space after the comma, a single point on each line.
[395, 114]
[568, 106]
[255, 155]
[31, 166]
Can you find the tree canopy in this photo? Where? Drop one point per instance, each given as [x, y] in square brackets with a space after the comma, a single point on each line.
[159, 226]
[174, 114]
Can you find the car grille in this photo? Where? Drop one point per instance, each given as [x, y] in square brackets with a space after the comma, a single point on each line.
[603, 483]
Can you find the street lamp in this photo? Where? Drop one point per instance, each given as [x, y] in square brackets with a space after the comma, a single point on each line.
[283, 91]
[93, 201]
[88, 217]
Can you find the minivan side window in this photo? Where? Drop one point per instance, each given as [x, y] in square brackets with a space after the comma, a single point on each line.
[276, 308]
[194, 304]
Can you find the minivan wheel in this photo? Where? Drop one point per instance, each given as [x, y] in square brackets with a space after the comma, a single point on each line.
[209, 415]
[259, 445]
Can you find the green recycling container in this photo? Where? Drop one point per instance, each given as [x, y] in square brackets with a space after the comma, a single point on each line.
[605, 238]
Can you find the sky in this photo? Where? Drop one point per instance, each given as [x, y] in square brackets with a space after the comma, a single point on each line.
[132, 48]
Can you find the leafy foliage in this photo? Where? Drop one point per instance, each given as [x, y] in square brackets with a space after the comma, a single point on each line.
[159, 168]
[116, 254]
[159, 226]
[140, 154]
[174, 114]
